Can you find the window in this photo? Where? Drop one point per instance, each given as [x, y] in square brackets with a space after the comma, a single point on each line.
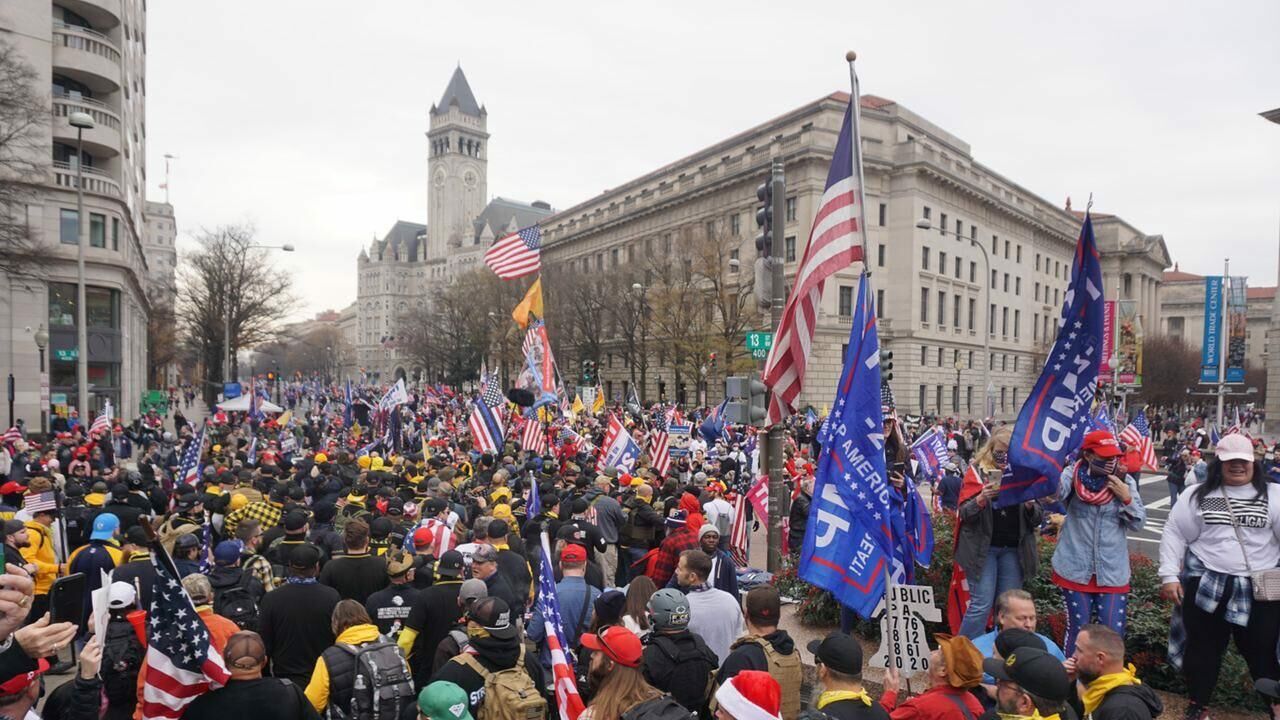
[1004, 363]
[1055, 296]
[924, 305]
[789, 247]
[1015, 363]
[1037, 262]
[115, 234]
[735, 224]
[1015, 397]
[102, 308]
[1006, 249]
[1035, 327]
[924, 356]
[938, 399]
[973, 307]
[69, 227]
[959, 229]
[1019, 254]
[955, 311]
[922, 391]
[995, 245]
[942, 310]
[1176, 326]
[1017, 321]
[968, 399]
[995, 278]
[880, 304]
[733, 255]
[62, 305]
[1037, 289]
[991, 321]
[939, 357]
[928, 213]
[942, 262]
[1128, 285]
[844, 352]
[1004, 321]
[846, 301]
[1006, 282]
[791, 209]
[599, 261]
[613, 257]
[942, 226]
[1017, 286]
[880, 255]
[973, 231]
[955, 398]
[884, 211]
[1002, 394]
[924, 258]
[973, 271]
[97, 230]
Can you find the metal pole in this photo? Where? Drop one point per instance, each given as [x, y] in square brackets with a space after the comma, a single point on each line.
[1223, 346]
[777, 433]
[82, 327]
[44, 405]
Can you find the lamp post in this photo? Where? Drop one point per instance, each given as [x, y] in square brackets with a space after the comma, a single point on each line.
[42, 341]
[959, 365]
[924, 224]
[226, 318]
[81, 121]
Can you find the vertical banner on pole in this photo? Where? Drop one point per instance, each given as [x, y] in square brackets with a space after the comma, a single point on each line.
[1237, 327]
[1108, 341]
[1211, 345]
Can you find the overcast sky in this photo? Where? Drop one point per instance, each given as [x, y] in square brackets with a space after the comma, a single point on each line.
[307, 119]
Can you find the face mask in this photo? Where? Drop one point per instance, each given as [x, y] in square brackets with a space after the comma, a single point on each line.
[1102, 467]
[1000, 456]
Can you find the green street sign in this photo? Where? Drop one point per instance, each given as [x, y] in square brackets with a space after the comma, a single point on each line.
[65, 355]
[759, 341]
[759, 353]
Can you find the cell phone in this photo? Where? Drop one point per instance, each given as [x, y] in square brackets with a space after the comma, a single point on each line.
[66, 599]
[995, 476]
[899, 467]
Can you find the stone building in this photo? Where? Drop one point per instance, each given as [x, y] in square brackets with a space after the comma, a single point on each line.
[89, 57]
[397, 273]
[995, 259]
[1182, 310]
[159, 239]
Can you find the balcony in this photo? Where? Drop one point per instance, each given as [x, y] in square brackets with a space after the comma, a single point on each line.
[104, 140]
[96, 181]
[87, 56]
[103, 14]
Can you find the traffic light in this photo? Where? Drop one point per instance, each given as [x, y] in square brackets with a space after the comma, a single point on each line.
[588, 371]
[886, 365]
[712, 361]
[271, 377]
[748, 400]
[764, 218]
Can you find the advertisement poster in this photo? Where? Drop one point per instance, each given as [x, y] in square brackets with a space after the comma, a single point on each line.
[1237, 328]
[1108, 341]
[1129, 342]
[1212, 341]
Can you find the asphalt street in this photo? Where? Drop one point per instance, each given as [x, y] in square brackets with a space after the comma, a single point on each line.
[1155, 497]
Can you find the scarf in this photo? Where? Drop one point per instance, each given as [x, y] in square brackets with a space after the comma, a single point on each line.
[1095, 692]
[1090, 488]
[831, 696]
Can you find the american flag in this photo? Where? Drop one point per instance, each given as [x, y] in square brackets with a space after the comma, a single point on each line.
[188, 466]
[740, 533]
[491, 393]
[659, 444]
[40, 502]
[1137, 434]
[758, 496]
[835, 241]
[442, 537]
[486, 425]
[182, 662]
[517, 254]
[252, 453]
[12, 435]
[102, 423]
[567, 697]
[532, 438]
[255, 413]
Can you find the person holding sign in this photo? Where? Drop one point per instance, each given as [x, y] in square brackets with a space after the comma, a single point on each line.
[955, 668]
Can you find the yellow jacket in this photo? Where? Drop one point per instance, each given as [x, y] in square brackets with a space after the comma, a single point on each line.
[318, 689]
[40, 554]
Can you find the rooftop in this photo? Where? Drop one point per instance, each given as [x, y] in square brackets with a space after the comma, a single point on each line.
[458, 91]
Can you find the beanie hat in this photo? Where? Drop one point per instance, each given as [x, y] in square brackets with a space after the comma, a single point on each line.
[751, 695]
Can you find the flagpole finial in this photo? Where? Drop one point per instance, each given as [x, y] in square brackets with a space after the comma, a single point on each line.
[850, 56]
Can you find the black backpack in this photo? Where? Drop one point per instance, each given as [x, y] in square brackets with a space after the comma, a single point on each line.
[660, 708]
[235, 603]
[122, 655]
[381, 682]
[687, 672]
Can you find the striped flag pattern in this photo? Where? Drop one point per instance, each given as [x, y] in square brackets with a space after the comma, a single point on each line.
[486, 425]
[835, 241]
[740, 533]
[102, 423]
[517, 254]
[188, 466]
[532, 437]
[567, 698]
[1137, 434]
[659, 445]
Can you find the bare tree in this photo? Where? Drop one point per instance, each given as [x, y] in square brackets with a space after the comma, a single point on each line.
[227, 283]
[1171, 368]
[24, 116]
[449, 339]
[162, 340]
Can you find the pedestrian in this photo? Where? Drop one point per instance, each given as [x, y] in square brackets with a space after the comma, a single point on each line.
[237, 595]
[1030, 684]
[295, 618]
[838, 661]
[618, 684]
[434, 612]
[752, 695]
[767, 648]
[575, 598]
[443, 701]
[456, 640]
[357, 574]
[608, 517]
[676, 661]
[484, 566]
[1110, 690]
[955, 669]
[249, 695]
[390, 606]
[495, 646]
[338, 679]
[713, 614]
[634, 615]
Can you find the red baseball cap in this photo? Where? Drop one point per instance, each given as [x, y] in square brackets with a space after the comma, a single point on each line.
[1102, 443]
[423, 537]
[573, 553]
[618, 644]
[22, 681]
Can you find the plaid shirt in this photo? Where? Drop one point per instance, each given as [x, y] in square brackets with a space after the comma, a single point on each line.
[664, 565]
[267, 514]
[260, 568]
[1213, 586]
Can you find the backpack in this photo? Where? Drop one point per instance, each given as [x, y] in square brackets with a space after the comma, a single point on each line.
[342, 518]
[381, 682]
[660, 708]
[688, 673]
[235, 603]
[785, 669]
[508, 694]
[723, 524]
[122, 655]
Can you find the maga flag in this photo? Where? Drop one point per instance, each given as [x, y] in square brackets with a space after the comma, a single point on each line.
[1056, 415]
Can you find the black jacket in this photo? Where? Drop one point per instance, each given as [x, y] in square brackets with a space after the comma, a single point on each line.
[519, 575]
[799, 517]
[222, 577]
[295, 623]
[266, 698]
[494, 655]
[140, 573]
[1129, 702]
[356, 577]
[750, 656]
[434, 611]
[500, 587]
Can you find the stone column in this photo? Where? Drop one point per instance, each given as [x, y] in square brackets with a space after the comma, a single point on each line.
[1273, 369]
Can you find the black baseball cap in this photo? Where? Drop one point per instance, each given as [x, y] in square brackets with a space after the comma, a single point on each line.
[450, 564]
[494, 615]
[1035, 671]
[304, 557]
[839, 652]
[1014, 638]
[295, 520]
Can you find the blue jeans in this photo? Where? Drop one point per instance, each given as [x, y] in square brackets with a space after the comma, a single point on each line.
[1001, 572]
[1175, 489]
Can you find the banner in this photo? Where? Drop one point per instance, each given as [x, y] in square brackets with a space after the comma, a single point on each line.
[1105, 371]
[681, 435]
[395, 396]
[930, 450]
[539, 373]
[1237, 328]
[1055, 417]
[1211, 345]
[620, 451]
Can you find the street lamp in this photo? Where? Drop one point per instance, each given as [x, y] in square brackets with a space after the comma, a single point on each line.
[226, 319]
[924, 224]
[955, 403]
[81, 121]
[42, 342]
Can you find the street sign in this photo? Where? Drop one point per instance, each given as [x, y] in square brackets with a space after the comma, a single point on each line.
[759, 341]
[759, 353]
[903, 638]
[66, 355]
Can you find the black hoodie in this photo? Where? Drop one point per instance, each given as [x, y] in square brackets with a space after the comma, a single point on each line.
[750, 656]
[494, 655]
[1129, 702]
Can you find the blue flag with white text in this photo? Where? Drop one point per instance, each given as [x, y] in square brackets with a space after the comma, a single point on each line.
[713, 427]
[849, 539]
[1057, 414]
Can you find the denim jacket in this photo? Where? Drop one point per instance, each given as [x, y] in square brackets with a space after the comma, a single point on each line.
[1093, 540]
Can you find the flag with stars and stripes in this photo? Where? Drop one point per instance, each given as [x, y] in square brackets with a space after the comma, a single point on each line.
[102, 423]
[517, 254]
[533, 438]
[566, 689]
[12, 435]
[251, 455]
[189, 465]
[182, 662]
[739, 535]
[486, 426]
[1137, 434]
[660, 444]
[887, 404]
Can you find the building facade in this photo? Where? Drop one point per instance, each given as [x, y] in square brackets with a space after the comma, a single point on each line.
[1182, 309]
[397, 273]
[993, 264]
[159, 240]
[89, 57]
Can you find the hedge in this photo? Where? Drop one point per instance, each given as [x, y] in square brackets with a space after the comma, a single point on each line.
[1146, 634]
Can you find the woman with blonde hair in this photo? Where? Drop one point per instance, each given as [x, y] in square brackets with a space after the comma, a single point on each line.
[995, 547]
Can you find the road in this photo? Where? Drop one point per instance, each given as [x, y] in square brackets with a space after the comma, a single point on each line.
[1155, 496]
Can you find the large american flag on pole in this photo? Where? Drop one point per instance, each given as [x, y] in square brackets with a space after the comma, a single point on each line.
[485, 422]
[533, 438]
[1137, 434]
[517, 254]
[835, 241]
[182, 662]
[567, 697]
[660, 444]
[189, 465]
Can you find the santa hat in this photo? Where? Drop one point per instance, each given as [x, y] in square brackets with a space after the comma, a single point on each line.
[751, 695]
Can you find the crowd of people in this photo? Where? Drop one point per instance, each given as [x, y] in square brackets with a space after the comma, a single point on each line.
[345, 573]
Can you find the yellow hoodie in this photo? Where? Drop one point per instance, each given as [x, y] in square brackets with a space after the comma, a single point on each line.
[40, 554]
[318, 689]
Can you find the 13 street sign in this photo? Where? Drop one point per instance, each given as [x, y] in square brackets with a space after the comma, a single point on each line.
[759, 341]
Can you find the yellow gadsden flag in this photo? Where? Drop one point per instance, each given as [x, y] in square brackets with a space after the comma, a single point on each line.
[598, 404]
[531, 305]
[577, 408]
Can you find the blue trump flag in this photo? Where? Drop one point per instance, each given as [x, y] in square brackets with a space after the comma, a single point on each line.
[346, 412]
[849, 538]
[1056, 415]
[1102, 420]
[713, 427]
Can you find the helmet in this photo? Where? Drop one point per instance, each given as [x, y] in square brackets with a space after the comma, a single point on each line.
[168, 436]
[668, 610]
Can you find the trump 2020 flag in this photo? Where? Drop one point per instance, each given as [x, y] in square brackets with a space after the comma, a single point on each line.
[567, 697]
[930, 451]
[620, 451]
[1056, 415]
[849, 538]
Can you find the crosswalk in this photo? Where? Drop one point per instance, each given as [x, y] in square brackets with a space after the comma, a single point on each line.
[1154, 490]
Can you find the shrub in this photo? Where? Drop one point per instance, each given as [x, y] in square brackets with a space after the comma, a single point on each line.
[1146, 633]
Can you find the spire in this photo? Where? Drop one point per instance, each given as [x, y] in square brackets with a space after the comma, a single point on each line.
[459, 91]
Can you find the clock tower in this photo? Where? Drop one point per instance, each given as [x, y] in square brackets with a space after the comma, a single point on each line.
[457, 168]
